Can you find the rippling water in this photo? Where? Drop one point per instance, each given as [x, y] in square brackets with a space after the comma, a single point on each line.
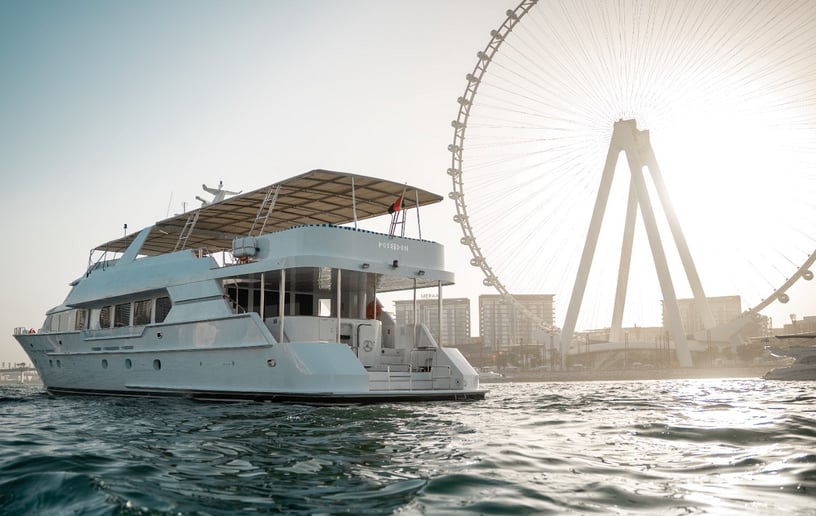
[674, 447]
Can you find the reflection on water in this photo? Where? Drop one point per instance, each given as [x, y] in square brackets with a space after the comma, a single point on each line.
[700, 446]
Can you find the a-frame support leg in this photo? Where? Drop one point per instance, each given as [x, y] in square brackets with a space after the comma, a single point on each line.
[626, 137]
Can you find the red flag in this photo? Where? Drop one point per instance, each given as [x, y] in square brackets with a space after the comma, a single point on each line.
[396, 206]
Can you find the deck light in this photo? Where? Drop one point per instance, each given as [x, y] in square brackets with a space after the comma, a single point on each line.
[365, 266]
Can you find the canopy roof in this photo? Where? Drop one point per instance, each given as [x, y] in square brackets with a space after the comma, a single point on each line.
[316, 197]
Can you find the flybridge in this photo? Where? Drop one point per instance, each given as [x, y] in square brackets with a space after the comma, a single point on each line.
[316, 197]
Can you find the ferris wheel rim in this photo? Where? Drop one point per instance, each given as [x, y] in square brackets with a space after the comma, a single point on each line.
[491, 279]
[457, 171]
[803, 272]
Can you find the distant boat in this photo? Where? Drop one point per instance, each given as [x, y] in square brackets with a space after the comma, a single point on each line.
[488, 375]
[266, 295]
[804, 365]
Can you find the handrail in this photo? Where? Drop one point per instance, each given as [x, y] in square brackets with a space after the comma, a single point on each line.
[448, 376]
[389, 373]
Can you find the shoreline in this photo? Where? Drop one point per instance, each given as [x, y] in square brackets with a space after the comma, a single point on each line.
[634, 374]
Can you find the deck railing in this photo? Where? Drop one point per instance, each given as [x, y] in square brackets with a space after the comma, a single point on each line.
[398, 375]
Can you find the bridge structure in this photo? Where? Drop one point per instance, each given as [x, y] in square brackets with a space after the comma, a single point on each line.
[19, 374]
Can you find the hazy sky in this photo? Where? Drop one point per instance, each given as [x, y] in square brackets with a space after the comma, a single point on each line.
[116, 112]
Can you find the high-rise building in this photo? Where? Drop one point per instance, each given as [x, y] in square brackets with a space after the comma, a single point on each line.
[723, 310]
[455, 318]
[806, 324]
[503, 324]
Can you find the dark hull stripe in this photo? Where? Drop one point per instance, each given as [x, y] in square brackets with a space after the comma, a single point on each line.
[279, 397]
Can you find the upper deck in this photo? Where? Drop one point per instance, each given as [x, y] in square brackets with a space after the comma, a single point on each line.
[291, 225]
[316, 197]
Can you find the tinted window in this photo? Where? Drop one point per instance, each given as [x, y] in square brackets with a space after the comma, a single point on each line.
[121, 316]
[141, 312]
[81, 319]
[105, 317]
[162, 308]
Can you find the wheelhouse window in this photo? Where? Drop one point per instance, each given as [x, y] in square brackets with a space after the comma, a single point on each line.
[121, 315]
[81, 321]
[105, 317]
[142, 311]
[163, 306]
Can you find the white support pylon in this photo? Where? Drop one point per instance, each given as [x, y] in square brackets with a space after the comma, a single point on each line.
[700, 300]
[626, 137]
[616, 331]
[589, 249]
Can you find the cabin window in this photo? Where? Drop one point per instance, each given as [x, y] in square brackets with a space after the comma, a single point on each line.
[162, 308]
[105, 317]
[121, 315]
[81, 321]
[324, 307]
[60, 322]
[141, 312]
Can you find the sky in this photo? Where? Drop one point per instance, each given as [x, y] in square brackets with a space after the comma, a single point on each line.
[115, 113]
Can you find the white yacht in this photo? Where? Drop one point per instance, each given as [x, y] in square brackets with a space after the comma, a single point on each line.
[804, 365]
[265, 295]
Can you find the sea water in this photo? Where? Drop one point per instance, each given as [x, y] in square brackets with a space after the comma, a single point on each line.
[744, 446]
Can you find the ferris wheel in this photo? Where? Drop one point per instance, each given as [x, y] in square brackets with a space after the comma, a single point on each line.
[724, 94]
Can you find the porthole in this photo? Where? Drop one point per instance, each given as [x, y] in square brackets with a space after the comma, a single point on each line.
[128, 363]
[104, 363]
[157, 364]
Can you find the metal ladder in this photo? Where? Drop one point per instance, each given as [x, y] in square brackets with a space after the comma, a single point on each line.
[397, 219]
[267, 205]
[187, 230]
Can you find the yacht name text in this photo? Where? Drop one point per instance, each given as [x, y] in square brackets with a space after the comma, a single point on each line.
[394, 246]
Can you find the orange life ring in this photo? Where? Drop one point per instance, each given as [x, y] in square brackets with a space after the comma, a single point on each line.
[370, 310]
[32, 330]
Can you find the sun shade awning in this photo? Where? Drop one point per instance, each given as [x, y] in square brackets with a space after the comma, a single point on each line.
[316, 197]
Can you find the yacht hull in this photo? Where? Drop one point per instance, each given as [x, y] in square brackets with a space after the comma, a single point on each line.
[794, 372]
[299, 372]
